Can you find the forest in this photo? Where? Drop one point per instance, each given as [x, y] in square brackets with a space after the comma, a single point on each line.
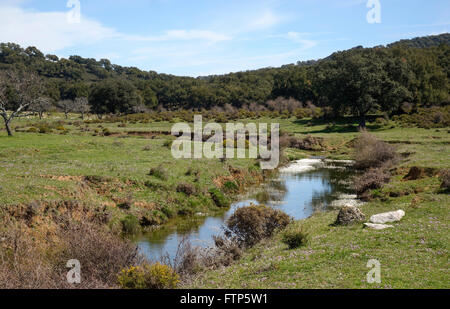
[353, 82]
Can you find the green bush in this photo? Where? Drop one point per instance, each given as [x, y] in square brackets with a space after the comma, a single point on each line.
[295, 238]
[251, 224]
[186, 188]
[155, 185]
[231, 186]
[159, 172]
[168, 211]
[153, 218]
[130, 224]
[219, 198]
[156, 276]
[434, 117]
[43, 129]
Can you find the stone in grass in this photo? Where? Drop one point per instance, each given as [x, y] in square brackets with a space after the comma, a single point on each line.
[387, 217]
[375, 226]
[350, 215]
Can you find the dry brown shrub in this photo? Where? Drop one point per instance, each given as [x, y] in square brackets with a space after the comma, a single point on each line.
[249, 225]
[373, 153]
[186, 188]
[22, 262]
[372, 179]
[102, 255]
[445, 178]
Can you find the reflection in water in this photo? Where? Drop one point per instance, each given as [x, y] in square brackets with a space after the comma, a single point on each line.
[297, 194]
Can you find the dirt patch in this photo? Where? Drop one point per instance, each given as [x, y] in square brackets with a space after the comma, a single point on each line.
[63, 178]
[416, 173]
[240, 177]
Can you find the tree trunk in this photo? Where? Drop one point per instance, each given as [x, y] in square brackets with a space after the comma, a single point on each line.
[8, 129]
[362, 122]
[66, 114]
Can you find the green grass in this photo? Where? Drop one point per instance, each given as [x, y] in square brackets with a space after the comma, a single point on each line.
[414, 254]
[53, 167]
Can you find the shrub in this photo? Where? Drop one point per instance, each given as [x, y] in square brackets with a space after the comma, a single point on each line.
[186, 188]
[168, 211]
[159, 172]
[185, 211]
[130, 224]
[167, 143]
[372, 153]
[231, 186]
[101, 254]
[154, 185]
[434, 117]
[445, 178]
[127, 203]
[295, 238]
[156, 276]
[308, 143]
[97, 179]
[32, 130]
[219, 198]
[153, 218]
[225, 252]
[43, 129]
[372, 179]
[251, 224]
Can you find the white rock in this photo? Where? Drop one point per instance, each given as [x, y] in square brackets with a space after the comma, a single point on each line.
[377, 226]
[387, 217]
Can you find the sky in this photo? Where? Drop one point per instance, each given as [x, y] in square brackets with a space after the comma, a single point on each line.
[205, 37]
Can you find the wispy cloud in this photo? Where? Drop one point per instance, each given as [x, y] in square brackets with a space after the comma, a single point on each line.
[183, 35]
[49, 31]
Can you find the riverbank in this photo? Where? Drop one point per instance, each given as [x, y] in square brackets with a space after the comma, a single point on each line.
[412, 254]
[94, 172]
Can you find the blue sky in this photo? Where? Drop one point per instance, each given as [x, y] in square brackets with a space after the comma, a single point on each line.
[202, 37]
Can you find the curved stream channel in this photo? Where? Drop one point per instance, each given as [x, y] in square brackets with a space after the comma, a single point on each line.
[300, 189]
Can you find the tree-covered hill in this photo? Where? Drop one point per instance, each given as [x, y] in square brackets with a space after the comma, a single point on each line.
[423, 42]
[355, 81]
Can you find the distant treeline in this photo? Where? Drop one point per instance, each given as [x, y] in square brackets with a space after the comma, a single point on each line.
[356, 81]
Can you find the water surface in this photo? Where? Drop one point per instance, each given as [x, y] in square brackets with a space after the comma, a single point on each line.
[299, 190]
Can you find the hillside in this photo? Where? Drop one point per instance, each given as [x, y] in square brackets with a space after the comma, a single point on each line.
[304, 81]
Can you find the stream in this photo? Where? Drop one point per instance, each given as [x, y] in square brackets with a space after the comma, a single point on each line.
[300, 189]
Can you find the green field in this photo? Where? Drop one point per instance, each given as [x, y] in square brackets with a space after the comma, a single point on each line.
[76, 160]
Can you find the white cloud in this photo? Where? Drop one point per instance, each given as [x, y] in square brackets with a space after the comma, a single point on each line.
[171, 35]
[265, 20]
[49, 31]
[300, 39]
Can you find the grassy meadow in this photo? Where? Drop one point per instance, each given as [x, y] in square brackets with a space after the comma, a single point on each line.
[107, 166]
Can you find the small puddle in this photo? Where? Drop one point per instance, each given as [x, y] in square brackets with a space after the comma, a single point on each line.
[300, 189]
